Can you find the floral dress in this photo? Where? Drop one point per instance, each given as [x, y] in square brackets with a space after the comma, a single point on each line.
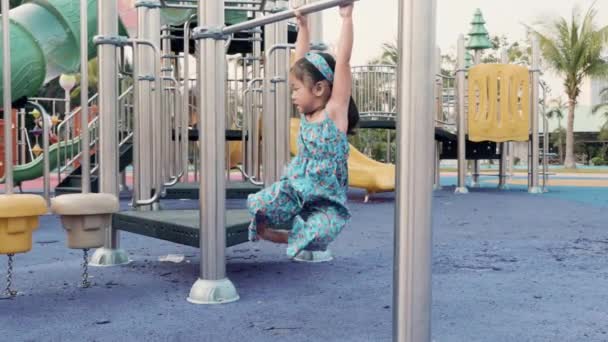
[310, 198]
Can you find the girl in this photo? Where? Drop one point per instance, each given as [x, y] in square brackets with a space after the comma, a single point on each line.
[311, 196]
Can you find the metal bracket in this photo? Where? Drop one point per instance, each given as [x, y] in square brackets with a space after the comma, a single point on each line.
[319, 46]
[253, 30]
[277, 9]
[119, 41]
[146, 78]
[147, 3]
[216, 33]
[277, 79]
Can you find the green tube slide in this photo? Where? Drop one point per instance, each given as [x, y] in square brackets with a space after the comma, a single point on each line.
[35, 168]
[45, 41]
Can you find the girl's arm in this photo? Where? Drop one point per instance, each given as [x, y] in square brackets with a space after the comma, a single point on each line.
[342, 87]
[303, 40]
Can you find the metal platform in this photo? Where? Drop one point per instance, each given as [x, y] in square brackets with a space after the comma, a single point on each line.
[381, 123]
[180, 226]
[234, 190]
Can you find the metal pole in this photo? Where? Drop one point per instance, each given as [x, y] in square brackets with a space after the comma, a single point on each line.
[145, 175]
[110, 254]
[84, 99]
[186, 99]
[316, 27]
[439, 117]
[212, 287]
[534, 184]
[269, 142]
[283, 15]
[412, 263]
[257, 103]
[502, 174]
[545, 142]
[460, 89]
[23, 131]
[281, 121]
[7, 101]
[46, 162]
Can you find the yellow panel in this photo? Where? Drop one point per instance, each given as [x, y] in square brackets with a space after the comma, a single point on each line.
[499, 103]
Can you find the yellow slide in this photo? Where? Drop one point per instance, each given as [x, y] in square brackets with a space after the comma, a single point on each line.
[363, 172]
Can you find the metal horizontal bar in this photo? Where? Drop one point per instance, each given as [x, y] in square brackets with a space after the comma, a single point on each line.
[284, 15]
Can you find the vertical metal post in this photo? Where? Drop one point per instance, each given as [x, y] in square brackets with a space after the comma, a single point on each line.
[475, 174]
[545, 143]
[212, 287]
[439, 117]
[269, 108]
[110, 254]
[388, 146]
[412, 264]
[23, 132]
[7, 101]
[316, 27]
[462, 127]
[84, 99]
[186, 99]
[46, 161]
[256, 103]
[281, 97]
[143, 140]
[502, 172]
[535, 84]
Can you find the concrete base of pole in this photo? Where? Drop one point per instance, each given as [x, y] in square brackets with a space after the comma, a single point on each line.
[213, 292]
[105, 257]
[461, 190]
[314, 256]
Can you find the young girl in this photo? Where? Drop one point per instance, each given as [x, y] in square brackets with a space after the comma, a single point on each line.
[311, 196]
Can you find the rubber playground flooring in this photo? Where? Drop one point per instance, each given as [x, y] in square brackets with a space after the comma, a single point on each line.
[507, 266]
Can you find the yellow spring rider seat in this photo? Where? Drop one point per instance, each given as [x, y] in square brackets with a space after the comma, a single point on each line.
[18, 219]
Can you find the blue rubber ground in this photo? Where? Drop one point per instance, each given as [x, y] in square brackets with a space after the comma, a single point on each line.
[507, 266]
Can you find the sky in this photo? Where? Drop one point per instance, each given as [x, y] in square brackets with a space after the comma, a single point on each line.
[376, 23]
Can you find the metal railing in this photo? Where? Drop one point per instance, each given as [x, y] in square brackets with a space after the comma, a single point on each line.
[374, 89]
[69, 140]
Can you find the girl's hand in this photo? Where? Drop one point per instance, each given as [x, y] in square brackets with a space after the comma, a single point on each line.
[346, 11]
[302, 20]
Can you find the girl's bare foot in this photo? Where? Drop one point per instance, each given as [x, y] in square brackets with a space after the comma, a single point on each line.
[273, 235]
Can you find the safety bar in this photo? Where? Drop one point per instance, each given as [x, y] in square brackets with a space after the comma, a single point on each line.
[154, 123]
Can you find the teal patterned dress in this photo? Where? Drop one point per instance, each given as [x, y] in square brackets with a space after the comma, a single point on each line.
[310, 197]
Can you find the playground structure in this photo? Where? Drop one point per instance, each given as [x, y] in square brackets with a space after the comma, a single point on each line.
[153, 123]
[150, 129]
[484, 109]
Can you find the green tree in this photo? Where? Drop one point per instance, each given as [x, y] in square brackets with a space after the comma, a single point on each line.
[572, 48]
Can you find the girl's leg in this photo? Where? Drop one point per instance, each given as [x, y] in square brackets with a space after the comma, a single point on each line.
[316, 230]
[273, 207]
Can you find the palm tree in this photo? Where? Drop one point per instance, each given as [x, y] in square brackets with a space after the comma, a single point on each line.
[573, 50]
[390, 54]
[602, 108]
[556, 111]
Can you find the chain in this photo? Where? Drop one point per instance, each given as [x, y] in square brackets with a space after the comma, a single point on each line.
[9, 278]
[85, 269]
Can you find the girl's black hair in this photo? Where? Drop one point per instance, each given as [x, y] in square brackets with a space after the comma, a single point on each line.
[303, 70]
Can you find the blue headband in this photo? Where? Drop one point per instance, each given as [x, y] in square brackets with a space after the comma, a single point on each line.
[321, 64]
